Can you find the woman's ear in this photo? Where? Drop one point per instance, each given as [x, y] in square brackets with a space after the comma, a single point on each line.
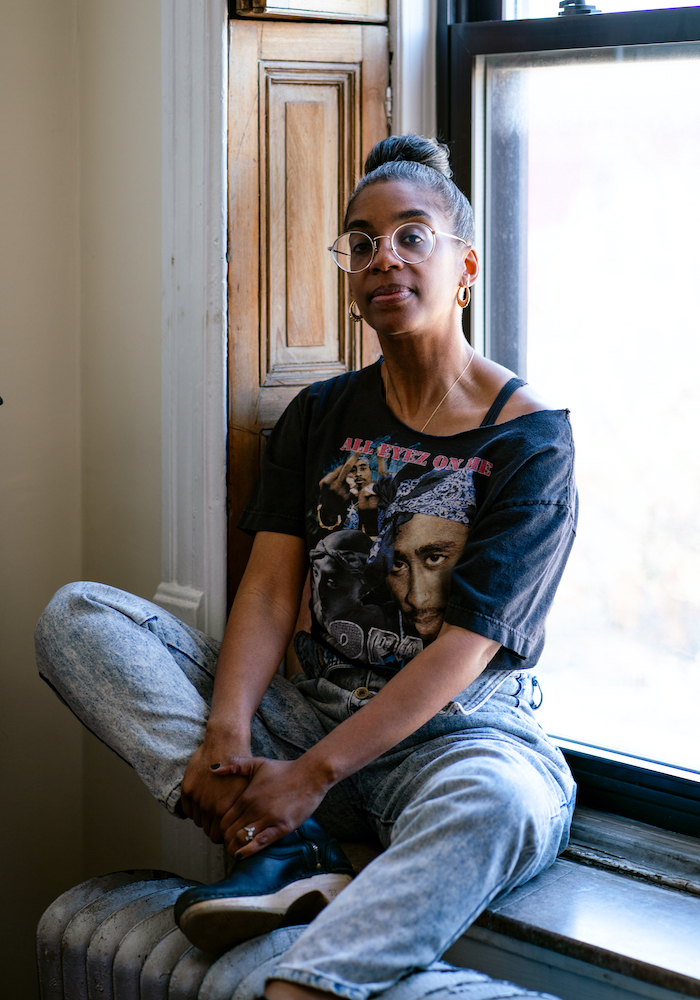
[471, 267]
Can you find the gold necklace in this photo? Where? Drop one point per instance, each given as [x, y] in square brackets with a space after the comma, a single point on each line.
[463, 372]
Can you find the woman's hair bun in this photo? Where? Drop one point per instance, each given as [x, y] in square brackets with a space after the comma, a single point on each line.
[425, 163]
[411, 148]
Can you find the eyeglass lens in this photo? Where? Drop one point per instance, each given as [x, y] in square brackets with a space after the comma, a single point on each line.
[412, 243]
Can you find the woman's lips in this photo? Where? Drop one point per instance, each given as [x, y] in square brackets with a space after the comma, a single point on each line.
[390, 293]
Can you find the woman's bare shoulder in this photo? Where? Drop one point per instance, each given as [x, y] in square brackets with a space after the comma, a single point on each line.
[524, 400]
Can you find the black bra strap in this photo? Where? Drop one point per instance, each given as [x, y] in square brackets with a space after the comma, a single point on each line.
[501, 400]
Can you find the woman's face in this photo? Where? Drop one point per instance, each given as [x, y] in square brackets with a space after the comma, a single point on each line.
[426, 550]
[396, 297]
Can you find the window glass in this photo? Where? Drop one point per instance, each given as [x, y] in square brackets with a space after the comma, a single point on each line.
[517, 10]
[608, 142]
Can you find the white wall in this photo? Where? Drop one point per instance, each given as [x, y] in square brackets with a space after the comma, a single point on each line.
[120, 275]
[80, 296]
[40, 507]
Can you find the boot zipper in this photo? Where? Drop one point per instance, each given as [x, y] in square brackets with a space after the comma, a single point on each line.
[317, 855]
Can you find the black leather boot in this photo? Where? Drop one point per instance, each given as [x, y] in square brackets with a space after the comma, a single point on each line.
[287, 883]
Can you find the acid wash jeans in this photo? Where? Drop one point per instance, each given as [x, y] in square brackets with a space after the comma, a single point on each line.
[468, 807]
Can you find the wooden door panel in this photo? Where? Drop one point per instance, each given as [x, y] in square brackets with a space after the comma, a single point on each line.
[306, 170]
[306, 105]
[307, 200]
[322, 43]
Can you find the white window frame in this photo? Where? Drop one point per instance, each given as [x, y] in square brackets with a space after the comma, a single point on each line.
[194, 81]
[412, 26]
[194, 74]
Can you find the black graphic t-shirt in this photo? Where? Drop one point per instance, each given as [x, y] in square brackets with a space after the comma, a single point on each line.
[407, 530]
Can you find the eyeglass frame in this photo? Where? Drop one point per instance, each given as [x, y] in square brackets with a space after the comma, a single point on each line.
[375, 249]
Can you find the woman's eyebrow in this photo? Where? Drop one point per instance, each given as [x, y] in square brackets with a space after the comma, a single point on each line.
[357, 223]
[411, 213]
[408, 213]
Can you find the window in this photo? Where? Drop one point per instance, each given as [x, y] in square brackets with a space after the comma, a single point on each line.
[582, 153]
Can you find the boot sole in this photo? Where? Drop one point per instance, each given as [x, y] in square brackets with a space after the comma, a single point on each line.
[218, 924]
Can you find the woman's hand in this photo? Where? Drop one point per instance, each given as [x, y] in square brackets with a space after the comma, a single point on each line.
[279, 797]
[205, 797]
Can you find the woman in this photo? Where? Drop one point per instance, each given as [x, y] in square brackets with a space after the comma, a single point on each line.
[444, 762]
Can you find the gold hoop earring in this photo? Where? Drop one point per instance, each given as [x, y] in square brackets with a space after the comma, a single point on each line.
[463, 302]
[356, 317]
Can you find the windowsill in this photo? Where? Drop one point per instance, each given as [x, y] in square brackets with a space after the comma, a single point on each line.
[635, 933]
[610, 921]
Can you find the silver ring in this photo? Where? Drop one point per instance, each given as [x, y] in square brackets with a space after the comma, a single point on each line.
[249, 833]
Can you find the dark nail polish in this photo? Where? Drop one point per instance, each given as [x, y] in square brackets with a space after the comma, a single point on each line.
[238, 856]
[214, 767]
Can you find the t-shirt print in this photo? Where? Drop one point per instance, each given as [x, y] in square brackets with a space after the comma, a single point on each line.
[380, 579]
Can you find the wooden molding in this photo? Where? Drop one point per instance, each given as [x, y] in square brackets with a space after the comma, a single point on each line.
[335, 10]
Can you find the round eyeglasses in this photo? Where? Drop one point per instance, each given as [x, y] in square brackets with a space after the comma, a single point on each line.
[412, 243]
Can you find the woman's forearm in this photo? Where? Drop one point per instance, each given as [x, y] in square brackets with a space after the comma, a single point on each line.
[258, 632]
[408, 701]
